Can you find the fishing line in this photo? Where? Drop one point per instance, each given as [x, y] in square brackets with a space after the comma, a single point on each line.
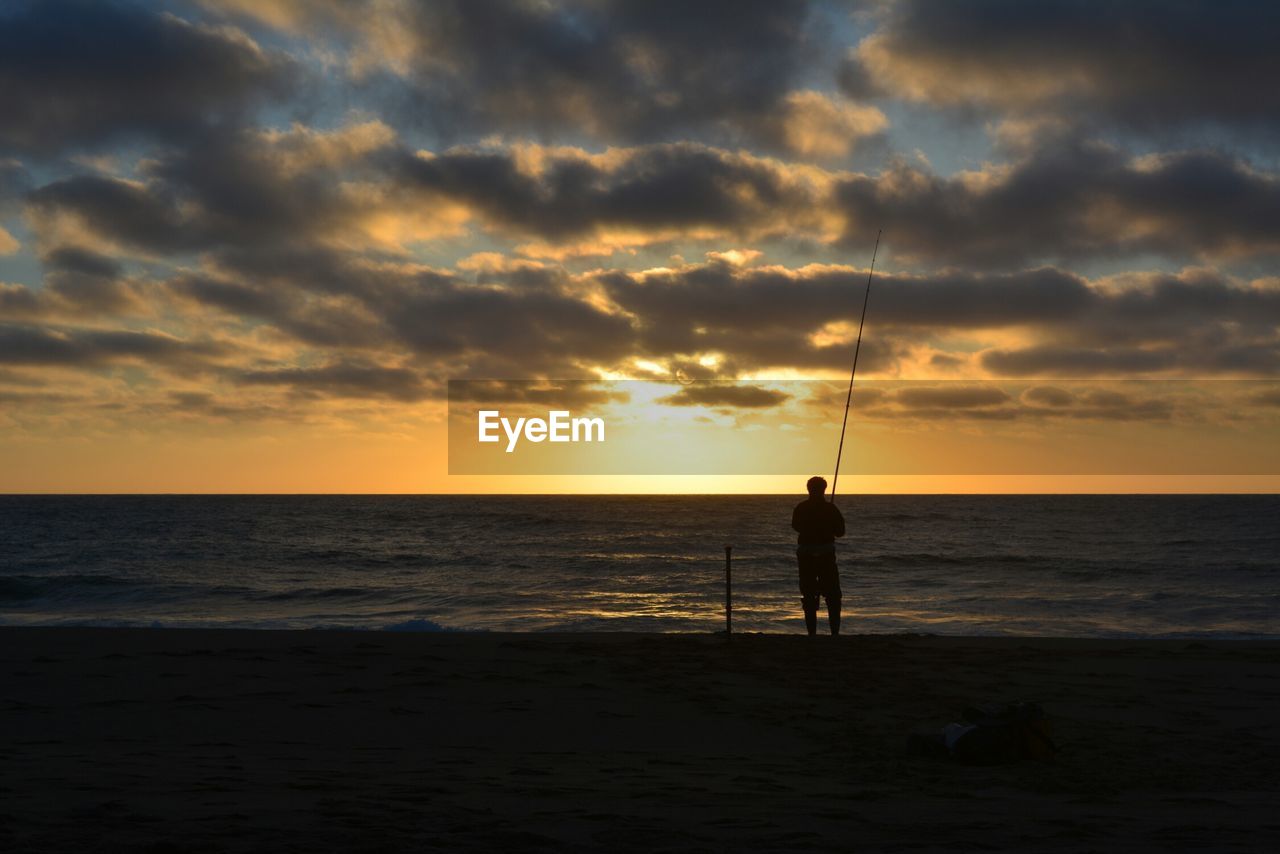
[857, 347]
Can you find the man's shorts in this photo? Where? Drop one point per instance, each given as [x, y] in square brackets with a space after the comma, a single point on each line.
[818, 577]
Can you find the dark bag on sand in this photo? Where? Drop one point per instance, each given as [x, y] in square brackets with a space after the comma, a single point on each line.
[990, 735]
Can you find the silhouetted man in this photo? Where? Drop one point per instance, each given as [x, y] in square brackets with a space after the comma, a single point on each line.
[818, 523]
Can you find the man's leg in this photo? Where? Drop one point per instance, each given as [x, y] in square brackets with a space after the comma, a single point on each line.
[809, 592]
[830, 583]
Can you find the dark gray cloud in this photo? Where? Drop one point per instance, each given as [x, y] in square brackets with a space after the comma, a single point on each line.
[951, 397]
[1047, 395]
[229, 189]
[1268, 397]
[1064, 202]
[329, 322]
[42, 345]
[496, 324]
[77, 283]
[19, 302]
[83, 262]
[85, 282]
[487, 332]
[25, 398]
[77, 73]
[620, 70]
[344, 379]
[1149, 65]
[729, 396]
[1076, 361]
[1106, 405]
[205, 405]
[715, 297]
[998, 401]
[397, 331]
[1142, 323]
[763, 317]
[517, 325]
[1067, 202]
[118, 210]
[235, 298]
[16, 378]
[679, 186]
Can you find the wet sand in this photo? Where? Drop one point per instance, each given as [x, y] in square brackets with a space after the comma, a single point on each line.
[193, 740]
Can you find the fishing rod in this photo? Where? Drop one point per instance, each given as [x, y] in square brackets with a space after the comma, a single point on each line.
[857, 347]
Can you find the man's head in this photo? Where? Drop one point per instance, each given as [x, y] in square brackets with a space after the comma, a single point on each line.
[816, 486]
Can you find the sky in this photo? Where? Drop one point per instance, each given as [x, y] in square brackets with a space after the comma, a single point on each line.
[246, 244]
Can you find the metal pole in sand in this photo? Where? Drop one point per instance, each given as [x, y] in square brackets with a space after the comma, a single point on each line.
[728, 591]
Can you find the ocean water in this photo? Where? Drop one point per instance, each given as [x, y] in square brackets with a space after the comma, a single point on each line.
[1105, 566]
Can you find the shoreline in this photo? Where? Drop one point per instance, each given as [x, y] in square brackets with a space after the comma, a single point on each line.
[395, 629]
[240, 740]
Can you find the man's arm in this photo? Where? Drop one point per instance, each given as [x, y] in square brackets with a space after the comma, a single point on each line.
[838, 526]
[795, 518]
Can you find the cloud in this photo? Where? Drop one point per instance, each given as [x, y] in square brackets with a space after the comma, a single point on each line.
[735, 257]
[1075, 361]
[344, 379]
[1110, 405]
[77, 74]
[774, 316]
[514, 321]
[356, 187]
[544, 321]
[951, 397]
[353, 188]
[722, 395]
[505, 188]
[619, 71]
[1067, 202]
[816, 125]
[77, 284]
[623, 196]
[19, 301]
[203, 406]
[242, 189]
[340, 326]
[488, 332]
[717, 320]
[724, 302]
[1146, 66]
[995, 400]
[1047, 395]
[37, 345]
[1268, 397]
[320, 320]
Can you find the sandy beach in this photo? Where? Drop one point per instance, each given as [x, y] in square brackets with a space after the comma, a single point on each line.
[195, 740]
